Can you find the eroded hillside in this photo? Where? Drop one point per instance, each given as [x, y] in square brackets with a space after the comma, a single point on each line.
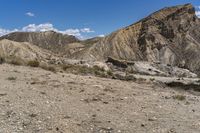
[50, 40]
[169, 36]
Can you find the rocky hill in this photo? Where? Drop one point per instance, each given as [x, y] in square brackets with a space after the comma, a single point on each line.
[142, 78]
[58, 43]
[49, 40]
[73, 48]
[169, 36]
[21, 53]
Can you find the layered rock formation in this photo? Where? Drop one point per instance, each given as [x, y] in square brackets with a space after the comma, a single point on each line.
[169, 36]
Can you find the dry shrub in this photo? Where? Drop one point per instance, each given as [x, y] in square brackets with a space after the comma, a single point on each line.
[179, 97]
[33, 63]
[11, 78]
[48, 68]
[78, 69]
[2, 60]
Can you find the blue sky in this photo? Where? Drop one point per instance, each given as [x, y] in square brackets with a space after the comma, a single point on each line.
[83, 18]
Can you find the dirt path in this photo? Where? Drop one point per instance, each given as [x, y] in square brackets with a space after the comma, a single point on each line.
[36, 101]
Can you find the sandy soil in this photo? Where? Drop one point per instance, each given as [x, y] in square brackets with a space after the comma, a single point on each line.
[33, 100]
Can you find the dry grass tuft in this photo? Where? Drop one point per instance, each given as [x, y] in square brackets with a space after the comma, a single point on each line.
[33, 63]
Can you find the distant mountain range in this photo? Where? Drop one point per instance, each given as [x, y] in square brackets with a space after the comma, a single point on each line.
[169, 36]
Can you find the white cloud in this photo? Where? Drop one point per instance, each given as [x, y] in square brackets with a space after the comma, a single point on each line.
[87, 30]
[198, 13]
[101, 35]
[5, 31]
[38, 28]
[30, 14]
[79, 33]
[74, 32]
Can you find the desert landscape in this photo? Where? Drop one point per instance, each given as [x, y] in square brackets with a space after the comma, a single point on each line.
[143, 78]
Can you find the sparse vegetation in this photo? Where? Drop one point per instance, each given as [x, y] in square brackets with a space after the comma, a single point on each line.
[110, 73]
[141, 80]
[2, 60]
[130, 78]
[65, 67]
[15, 62]
[179, 97]
[51, 68]
[184, 86]
[97, 68]
[152, 79]
[48, 68]
[11, 60]
[33, 63]
[11, 78]
[78, 69]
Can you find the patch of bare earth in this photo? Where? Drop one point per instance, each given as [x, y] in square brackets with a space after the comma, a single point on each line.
[33, 100]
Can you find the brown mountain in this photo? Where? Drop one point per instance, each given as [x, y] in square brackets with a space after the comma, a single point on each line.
[170, 36]
[49, 40]
[74, 48]
[11, 51]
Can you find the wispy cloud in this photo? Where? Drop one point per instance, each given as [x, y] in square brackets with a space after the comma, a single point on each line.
[79, 33]
[30, 14]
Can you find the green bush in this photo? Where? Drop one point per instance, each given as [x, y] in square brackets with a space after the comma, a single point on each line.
[110, 73]
[152, 79]
[2, 60]
[179, 97]
[33, 63]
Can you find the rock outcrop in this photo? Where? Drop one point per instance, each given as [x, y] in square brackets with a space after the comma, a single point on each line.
[148, 68]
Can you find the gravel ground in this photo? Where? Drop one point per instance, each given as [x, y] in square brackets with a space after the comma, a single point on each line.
[33, 100]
